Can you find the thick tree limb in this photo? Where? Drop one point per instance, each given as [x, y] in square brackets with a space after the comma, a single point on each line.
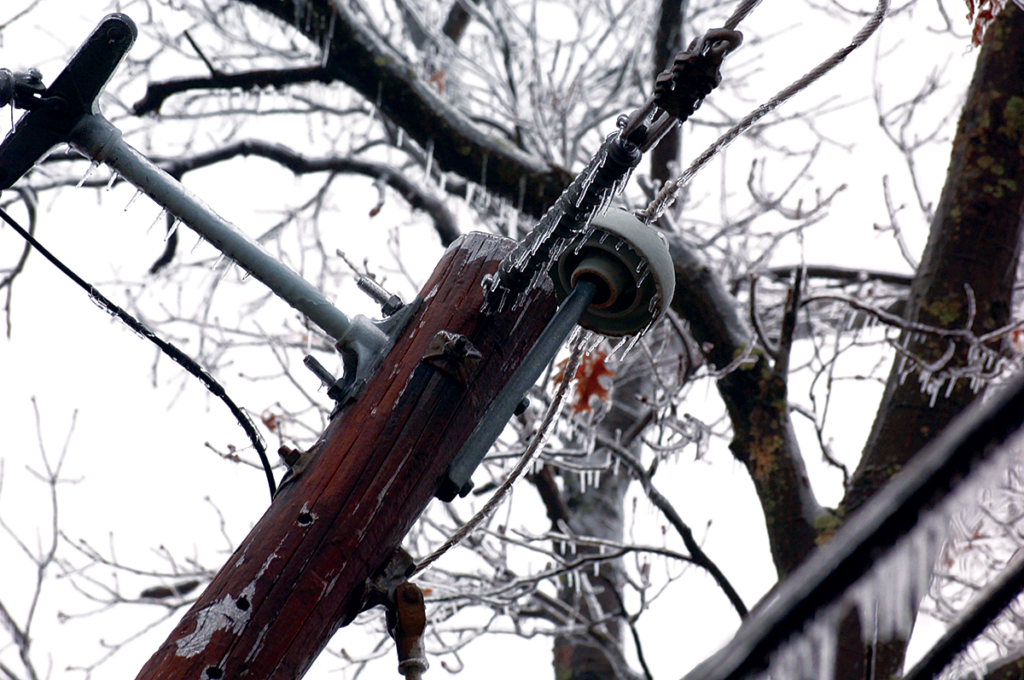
[844, 274]
[756, 398]
[418, 199]
[975, 240]
[157, 93]
[363, 61]
[668, 41]
[554, 504]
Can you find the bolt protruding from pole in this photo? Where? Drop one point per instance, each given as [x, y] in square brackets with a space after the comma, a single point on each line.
[325, 376]
[389, 303]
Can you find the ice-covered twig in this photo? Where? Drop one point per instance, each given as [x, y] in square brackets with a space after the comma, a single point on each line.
[700, 558]
[770, 348]
[792, 308]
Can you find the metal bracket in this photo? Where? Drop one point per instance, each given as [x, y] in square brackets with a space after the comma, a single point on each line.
[381, 589]
[453, 354]
[405, 609]
[297, 462]
[407, 620]
[22, 88]
[360, 360]
[57, 110]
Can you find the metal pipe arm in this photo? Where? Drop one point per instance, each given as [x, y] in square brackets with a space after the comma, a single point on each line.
[101, 141]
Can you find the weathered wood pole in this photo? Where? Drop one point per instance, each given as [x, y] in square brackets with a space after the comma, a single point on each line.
[300, 573]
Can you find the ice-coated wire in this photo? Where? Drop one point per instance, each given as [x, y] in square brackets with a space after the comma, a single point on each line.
[667, 196]
[741, 13]
[986, 606]
[578, 350]
[915, 497]
[167, 348]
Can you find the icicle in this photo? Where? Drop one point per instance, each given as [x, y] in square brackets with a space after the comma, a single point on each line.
[173, 230]
[160, 216]
[134, 198]
[616, 347]
[400, 139]
[575, 335]
[88, 173]
[430, 160]
[579, 244]
[110, 182]
[591, 172]
[329, 38]
[952, 384]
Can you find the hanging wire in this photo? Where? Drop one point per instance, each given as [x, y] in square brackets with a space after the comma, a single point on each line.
[667, 196]
[578, 350]
[740, 13]
[167, 348]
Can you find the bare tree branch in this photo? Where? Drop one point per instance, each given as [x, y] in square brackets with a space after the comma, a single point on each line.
[415, 195]
[362, 60]
[700, 558]
[763, 436]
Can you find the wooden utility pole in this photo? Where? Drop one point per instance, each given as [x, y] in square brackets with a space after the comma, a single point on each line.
[300, 573]
[446, 386]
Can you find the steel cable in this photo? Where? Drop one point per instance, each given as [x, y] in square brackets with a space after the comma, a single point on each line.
[182, 359]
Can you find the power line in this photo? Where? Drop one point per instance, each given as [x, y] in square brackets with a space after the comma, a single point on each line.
[167, 348]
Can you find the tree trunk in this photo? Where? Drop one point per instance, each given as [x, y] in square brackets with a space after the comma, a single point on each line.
[599, 511]
[974, 241]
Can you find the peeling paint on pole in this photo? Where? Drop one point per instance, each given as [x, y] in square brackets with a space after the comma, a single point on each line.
[230, 614]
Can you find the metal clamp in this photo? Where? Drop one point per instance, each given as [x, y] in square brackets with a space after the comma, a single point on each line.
[55, 111]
